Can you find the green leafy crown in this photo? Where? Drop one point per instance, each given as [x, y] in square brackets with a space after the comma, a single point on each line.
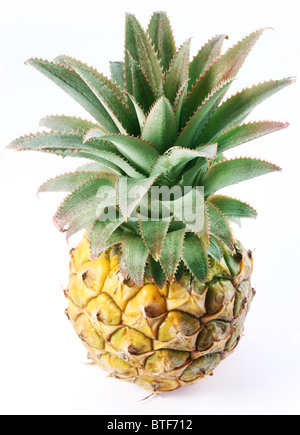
[160, 121]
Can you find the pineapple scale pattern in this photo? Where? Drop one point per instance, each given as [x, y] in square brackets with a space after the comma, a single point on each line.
[161, 339]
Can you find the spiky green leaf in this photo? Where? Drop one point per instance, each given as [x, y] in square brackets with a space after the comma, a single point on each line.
[135, 256]
[233, 208]
[171, 252]
[154, 234]
[236, 108]
[141, 89]
[195, 257]
[105, 154]
[219, 226]
[179, 104]
[72, 83]
[71, 145]
[107, 93]
[117, 70]
[67, 124]
[105, 233]
[139, 112]
[173, 163]
[95, 167]
[115, 162]
[225, 68]
[60, 140]
[230, 172]
[180, 271]
[204, 58]
[138, 152]
[189, 208]
[161, 36]
[68, 182]
[178, 73]
[214, 249]
[189, 137]
[157, 272]
[121, 262]
[160, 126]
[88, 197]
[192, 174]
[130, 193]
[140, 48]
[85, 218]
[245, 133]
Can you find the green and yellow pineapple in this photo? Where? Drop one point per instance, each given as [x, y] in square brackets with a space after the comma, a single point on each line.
[158, 301]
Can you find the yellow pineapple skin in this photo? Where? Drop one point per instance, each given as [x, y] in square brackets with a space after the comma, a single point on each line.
[160, 339]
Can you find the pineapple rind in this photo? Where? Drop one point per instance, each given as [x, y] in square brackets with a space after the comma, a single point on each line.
[160, 339]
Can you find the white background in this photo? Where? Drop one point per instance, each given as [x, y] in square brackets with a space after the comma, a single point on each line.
[41, 364]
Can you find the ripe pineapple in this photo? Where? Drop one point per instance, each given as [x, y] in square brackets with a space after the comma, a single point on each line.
[158, 302]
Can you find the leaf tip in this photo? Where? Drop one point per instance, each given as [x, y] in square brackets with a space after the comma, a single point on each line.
[292, 79]
[10, 146]
[29, 62]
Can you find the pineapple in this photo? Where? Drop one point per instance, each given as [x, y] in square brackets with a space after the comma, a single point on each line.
[158, 301]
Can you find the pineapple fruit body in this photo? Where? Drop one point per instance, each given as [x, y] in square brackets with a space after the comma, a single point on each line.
[160, 339]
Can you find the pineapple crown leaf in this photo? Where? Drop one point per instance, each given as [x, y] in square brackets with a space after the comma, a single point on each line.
[94, 133]
[205, 57]
[104, 234]
[67, 78]
[232, 207]
[181, 96]
[225, 83]
[161, 34]
[157, 273]
[138, 43]
[244, 133]
[83, 195]
[171, 253]
[51, 140]
[196, 124]
[141, 116]
[174, 161]
[108, 94]
[219, 226]
[76, 64]
[67, 123]
[160, 126]
[117, 71]
[225, 67]
[154, 234]
[195, 257]
[120, 163]
[215, 249]
[239, 106]
[178, 72]
[179, 105]
[135, 257]
[95, 167]
[194, 202]
[117, 163]
[139, 152]
[159, 121]
[180, 271]
[121, 262]
[142, 89]
[69, 181]
[228, 172]
[135, 189]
